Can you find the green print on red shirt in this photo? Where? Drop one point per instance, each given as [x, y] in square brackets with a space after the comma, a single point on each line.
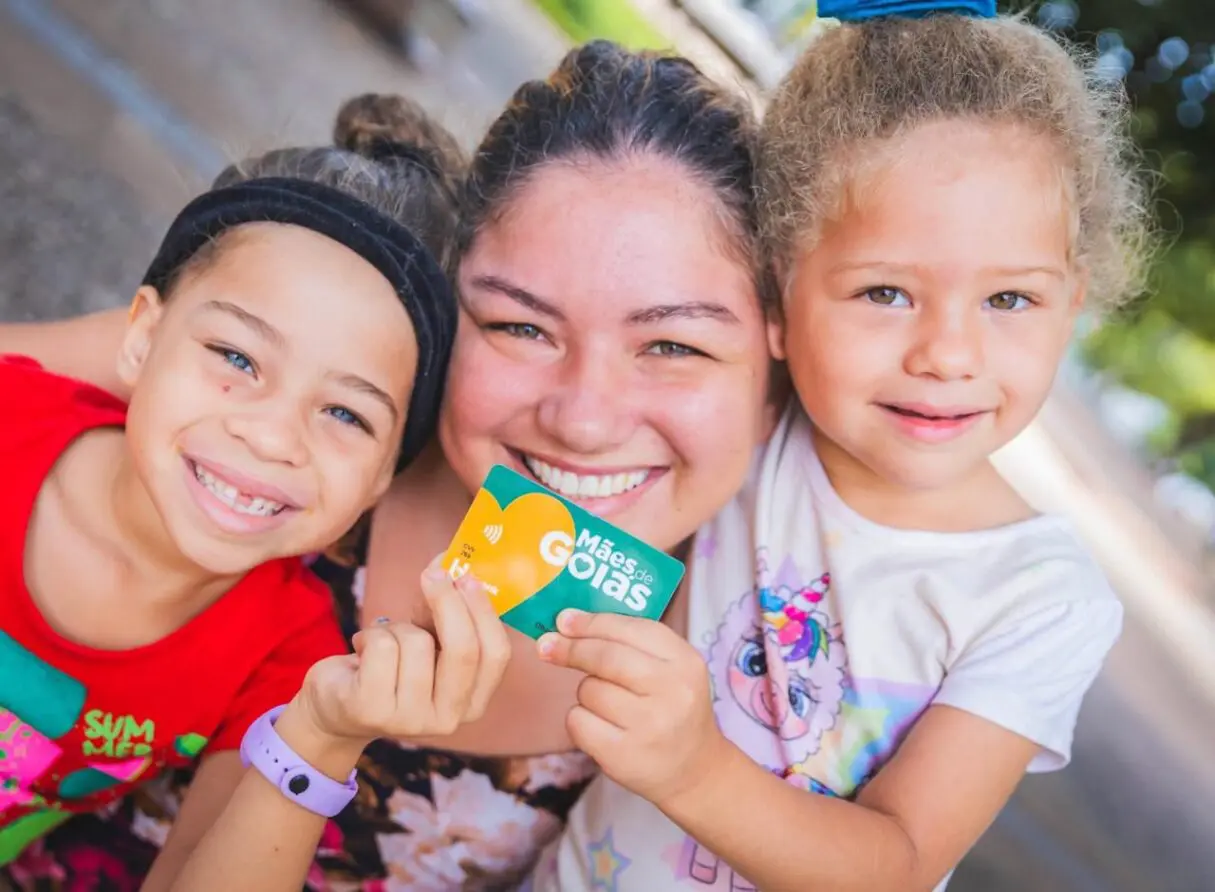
[57, 757]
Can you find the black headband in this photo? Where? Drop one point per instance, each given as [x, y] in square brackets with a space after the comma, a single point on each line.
[384, 243]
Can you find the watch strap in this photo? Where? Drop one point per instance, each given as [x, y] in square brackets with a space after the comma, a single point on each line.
[312, 789]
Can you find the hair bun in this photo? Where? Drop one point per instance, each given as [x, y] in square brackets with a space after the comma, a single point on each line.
[385, 126]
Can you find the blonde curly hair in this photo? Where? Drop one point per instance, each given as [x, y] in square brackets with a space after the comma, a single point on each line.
[861, 85]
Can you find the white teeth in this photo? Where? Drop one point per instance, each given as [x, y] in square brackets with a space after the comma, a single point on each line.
[584, 486]
[230, 495]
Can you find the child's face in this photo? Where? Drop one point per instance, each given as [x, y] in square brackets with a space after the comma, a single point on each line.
[925, 326]
[610, 346]
[269, 395]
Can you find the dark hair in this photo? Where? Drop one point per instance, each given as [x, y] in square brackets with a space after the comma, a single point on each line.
[388, 153]
[606, 102]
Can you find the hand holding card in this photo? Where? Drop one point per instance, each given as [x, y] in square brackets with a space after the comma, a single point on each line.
[538, 553]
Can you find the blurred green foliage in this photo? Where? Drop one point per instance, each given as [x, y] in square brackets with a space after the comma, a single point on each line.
[616, 20]
[1165, 346]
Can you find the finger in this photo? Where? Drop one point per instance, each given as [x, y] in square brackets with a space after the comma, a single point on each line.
[459, 651]
[356, 640]
[646, 635]
[611, 702]
[376, 680]
[596, 737]
[413, 705]
[494, 642]
[610, 660]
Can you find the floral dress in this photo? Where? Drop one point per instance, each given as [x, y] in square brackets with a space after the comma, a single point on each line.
[424, 819]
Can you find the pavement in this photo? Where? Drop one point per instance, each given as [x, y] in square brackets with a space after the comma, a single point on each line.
[113, 114]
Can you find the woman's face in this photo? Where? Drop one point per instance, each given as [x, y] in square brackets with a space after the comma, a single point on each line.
[610, 346]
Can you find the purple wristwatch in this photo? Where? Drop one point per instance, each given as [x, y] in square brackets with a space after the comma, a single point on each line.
[296, 779]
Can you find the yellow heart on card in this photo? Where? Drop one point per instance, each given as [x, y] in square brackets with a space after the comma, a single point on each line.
[516, 552]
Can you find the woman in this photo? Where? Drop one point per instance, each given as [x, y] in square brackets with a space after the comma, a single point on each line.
[612, 340]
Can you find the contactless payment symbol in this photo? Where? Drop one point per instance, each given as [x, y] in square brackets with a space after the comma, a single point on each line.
[538, 554]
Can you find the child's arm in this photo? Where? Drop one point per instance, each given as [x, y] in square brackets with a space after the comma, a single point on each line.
[213, 785]
[83, 347]
[394, 686]
[907, 829]
[645, 715]
[241, 832]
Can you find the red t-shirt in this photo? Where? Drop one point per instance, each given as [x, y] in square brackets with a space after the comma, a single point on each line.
[80, 727]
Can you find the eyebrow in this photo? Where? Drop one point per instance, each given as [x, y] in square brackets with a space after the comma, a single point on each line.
[519, 295]
[697, 309]
[268, 332]
[258, 325]
[362, 385]
[1005, 271]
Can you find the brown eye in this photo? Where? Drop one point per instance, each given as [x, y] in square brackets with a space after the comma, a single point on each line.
[521, 330]
[885, 296]
[1008, 300]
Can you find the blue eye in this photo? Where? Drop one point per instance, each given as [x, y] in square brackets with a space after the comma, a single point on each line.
[751, 659]
[345, 416]
[234, 358]
[1008, 301]
[671, 349]
[800, 699]
[885, 296]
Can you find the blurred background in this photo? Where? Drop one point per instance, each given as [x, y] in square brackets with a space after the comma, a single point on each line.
[114, 113]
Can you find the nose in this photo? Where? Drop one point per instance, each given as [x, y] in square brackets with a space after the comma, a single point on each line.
[769, 707]
[587, 409]
[948, 344]
[272, 434]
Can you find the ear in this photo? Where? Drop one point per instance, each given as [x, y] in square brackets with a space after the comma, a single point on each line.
[146, 311]
[775, 326]
[775, 321]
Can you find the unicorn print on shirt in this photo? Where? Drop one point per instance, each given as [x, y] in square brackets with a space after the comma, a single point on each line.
[779, 674]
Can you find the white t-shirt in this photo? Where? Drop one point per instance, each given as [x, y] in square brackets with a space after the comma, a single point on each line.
[828, 635]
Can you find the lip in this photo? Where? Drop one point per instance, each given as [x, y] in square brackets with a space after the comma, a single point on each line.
[228, 521]
[936, 412]
[247, 484]
[600, 506]
[948, 423]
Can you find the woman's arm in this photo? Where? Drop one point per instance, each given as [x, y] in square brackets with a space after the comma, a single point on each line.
[83, 347]
[416, 518]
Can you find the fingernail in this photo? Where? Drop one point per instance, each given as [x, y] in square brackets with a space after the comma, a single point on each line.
[547, 644]
[380, 620]
[468, 583]
[436, 573]
[568, 617]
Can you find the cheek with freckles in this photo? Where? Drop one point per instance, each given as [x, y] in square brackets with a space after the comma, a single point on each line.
[487, 398]
[708, 430]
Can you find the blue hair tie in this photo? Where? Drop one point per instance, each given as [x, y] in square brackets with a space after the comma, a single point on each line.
[859, 10]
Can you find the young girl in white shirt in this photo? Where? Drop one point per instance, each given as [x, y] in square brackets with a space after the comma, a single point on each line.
[893, 636]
